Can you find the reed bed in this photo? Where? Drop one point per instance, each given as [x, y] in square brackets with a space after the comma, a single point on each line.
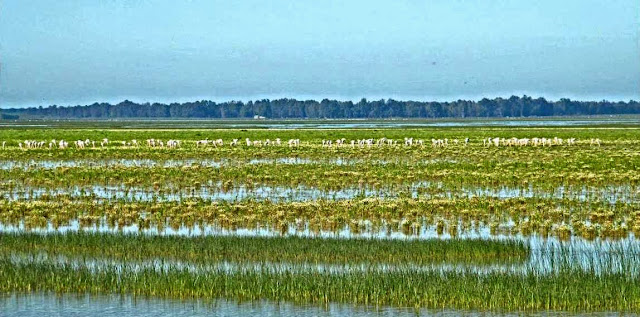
[387, 169]
[566, 192]
[451, 172]
[562, 218]
[265, 249]
[566, 290]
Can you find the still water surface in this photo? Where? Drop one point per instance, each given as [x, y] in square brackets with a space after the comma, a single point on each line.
[38, 305]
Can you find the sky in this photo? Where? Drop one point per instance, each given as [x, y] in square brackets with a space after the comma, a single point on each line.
[79, 52]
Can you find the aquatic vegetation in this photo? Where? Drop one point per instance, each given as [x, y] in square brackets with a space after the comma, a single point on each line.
[407, 203]
[374, 175]
[563, 218]
[566, 290]
[265, 249]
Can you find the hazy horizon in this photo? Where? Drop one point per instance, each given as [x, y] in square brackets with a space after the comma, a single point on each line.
[81, 52]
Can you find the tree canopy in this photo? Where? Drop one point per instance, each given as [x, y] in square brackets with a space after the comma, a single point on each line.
[332, 109]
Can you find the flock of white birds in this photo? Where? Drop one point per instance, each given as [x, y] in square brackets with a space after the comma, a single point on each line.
[157, 143]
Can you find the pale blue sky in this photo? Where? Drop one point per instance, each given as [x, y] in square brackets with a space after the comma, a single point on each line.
[77, 52]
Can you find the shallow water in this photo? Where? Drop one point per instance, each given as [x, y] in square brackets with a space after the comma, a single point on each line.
[547, 256]
[216, 163]
[404, 123]
[545, 252]
[213, 191]
[273, 193]
[53, 164]
[23, 125]
[167, 265]
[261, 231]
[42, 304]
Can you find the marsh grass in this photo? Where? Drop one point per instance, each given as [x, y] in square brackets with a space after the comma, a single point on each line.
[547, 217]
[566, 290]
[562, 192]
[266, 249]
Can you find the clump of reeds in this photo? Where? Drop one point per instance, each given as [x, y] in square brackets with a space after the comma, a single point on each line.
[564, 290]
[203, 249]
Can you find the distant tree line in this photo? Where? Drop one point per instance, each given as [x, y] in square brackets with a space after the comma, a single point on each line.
[291, 108]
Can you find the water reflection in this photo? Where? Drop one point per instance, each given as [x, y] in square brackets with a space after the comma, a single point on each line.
[302, 229]
[546, 257]
[42, 304]
[216, 191]
[215, 163]
[547, 254]
[410, 123]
